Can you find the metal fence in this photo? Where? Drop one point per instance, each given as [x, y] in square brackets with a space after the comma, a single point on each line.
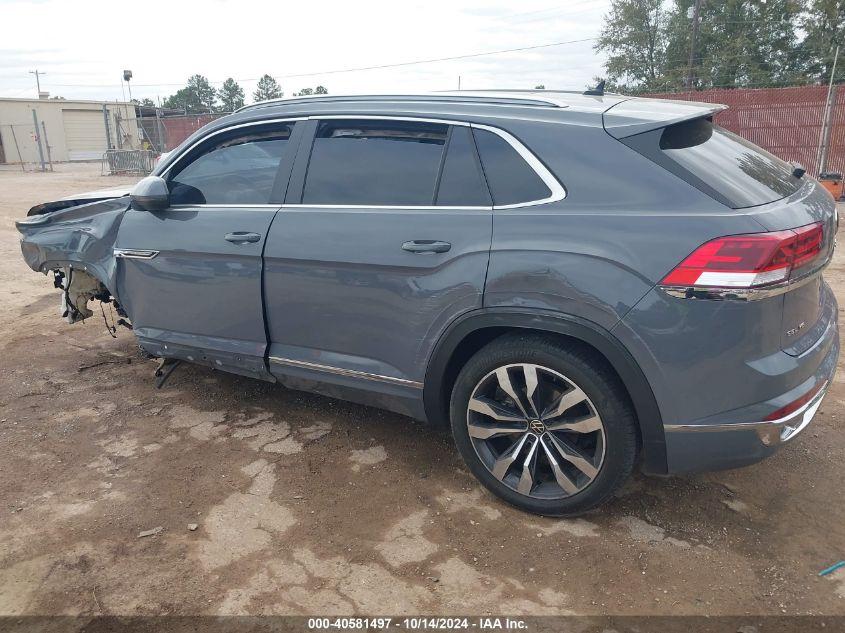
[138, 162]
[165, 133]
[788, 122]
[26, 145]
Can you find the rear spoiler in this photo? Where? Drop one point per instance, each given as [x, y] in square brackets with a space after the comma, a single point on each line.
[635, 116]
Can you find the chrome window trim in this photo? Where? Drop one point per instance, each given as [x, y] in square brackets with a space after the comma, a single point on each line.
[742, 294]
[558, 192]
[134, 253]
[340, 371]
[188, 149]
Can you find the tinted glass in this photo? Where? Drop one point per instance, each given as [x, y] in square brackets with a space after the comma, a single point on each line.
[462, 182]
[380, 163]
[743, 173]
[240, 170]
[510, 178]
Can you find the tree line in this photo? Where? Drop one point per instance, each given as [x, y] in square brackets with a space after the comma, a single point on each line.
[200, 97]
[740, 43]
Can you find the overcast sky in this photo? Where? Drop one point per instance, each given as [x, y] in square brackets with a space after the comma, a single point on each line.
[84, 45]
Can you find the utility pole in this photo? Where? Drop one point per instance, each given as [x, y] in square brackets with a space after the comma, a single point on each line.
[37, 74]
[824, 135]
[696, 14]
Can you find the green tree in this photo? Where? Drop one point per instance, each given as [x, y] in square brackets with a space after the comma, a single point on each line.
[319, 90]
[740, 43]
[206, 94]
[146, 101]
[183, 99]
[231, 96]
[198, 96]
[634, 38]
[267, 88]
[824, 25]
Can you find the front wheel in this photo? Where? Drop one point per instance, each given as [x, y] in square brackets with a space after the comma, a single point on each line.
[545, 427]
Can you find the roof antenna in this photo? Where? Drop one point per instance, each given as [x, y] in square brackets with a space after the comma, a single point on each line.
[598, 91]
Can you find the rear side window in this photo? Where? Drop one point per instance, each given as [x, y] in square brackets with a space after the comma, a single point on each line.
[510, 178]
[462, 181]
[379, 163]
[238, 170]
[731, 169]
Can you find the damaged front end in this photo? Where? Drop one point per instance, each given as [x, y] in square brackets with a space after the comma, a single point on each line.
[74, 239]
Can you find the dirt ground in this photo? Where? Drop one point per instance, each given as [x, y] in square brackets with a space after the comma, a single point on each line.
[306, 505]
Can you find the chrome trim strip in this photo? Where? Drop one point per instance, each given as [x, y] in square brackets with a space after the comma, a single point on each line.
[378, 206]
[340, 371]
[134, 253]
[743, 294]
[221, 131]
[764, 428]
[558, 192]
[224, 206]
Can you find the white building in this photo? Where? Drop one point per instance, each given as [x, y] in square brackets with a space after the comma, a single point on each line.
[74, 130]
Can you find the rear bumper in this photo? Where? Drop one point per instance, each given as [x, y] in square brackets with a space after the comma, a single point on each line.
[717, 446]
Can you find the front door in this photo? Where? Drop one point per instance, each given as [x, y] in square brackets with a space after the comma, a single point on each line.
[190, 276]
[383, 240]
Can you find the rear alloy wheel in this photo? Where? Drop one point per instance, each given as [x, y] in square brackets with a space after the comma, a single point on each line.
[528, 428]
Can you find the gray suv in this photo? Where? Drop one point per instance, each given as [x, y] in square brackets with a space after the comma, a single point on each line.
[575, 282]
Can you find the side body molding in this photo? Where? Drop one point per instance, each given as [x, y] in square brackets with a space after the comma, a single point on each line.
[436, 402]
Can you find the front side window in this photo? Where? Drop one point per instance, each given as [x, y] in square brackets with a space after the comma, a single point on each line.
[378, 163]
[238, 170]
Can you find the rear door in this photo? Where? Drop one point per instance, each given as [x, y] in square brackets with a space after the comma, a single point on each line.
[383, 240]
[190, 276]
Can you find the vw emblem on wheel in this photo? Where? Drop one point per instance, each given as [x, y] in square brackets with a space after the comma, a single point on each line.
[537, 426]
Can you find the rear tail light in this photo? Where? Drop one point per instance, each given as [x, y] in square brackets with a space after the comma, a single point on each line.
[796, 404]
[749, 261]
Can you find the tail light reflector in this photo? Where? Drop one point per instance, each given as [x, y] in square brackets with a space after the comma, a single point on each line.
[749, 261]
[796, 404]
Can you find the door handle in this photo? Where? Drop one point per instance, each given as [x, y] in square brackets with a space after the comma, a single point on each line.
[426, 246]
[239, 237]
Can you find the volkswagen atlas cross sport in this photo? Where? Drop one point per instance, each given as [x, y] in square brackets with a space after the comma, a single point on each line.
[575, 282]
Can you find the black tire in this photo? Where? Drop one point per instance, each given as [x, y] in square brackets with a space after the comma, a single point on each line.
[585, 370]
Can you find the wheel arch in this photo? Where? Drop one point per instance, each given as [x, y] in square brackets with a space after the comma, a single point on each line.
[473, 330]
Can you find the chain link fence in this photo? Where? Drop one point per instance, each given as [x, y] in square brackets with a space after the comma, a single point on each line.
[163, 133]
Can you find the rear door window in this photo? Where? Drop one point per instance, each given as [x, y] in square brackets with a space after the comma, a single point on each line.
[732, 169]
[462, 181]
[510, 178]
[375, 163]
[236, 170]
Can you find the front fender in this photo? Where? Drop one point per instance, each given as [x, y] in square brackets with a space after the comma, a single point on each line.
[82, 236]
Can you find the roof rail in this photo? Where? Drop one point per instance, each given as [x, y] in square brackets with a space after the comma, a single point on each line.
[517, 98]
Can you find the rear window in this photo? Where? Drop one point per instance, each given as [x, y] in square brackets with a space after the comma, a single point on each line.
[733, 170]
